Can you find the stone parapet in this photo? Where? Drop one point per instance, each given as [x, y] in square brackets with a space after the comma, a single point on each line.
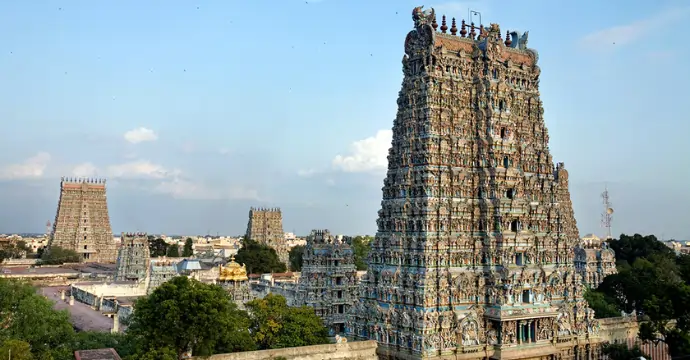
[359, 350]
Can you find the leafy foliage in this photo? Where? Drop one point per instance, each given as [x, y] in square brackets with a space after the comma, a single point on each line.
[56, 255]
[259, 258]
[184, 314]
[157, 246]
[276, 325]
[621, 352]
[361, 246]
[173, 251]
[188, 249]
[296, 257]
[13, 250]
[652, 283]
[17, 349]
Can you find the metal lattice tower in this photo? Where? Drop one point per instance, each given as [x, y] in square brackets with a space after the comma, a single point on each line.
[607, 215]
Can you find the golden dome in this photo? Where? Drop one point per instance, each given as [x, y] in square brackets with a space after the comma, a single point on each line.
[232, 271]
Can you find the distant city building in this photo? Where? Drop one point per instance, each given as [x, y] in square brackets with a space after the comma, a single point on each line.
[266, 227]
[328, 281]
[82, 222]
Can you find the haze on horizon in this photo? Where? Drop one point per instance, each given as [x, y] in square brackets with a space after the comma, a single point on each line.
[196, 111]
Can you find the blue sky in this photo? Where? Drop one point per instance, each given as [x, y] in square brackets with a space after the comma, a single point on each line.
[195, 111]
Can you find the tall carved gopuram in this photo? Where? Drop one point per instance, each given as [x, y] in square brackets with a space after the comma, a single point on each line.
[265, 226]
[474, 254]
[82, 222]
[133, 257]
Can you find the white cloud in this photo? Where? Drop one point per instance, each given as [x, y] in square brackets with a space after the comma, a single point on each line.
[307, 173]
[140, 169]
[34, 167]
[367, 155]
[621, 35]
[85, 170]
[139, 135]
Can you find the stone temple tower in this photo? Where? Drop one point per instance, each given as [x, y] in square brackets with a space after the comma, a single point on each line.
[82, 222]
[474, 253]
[265, 226]
[328, 281]
[133, 257]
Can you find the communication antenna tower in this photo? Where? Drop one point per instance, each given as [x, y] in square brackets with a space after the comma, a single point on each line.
[49, 229]
[607, 215]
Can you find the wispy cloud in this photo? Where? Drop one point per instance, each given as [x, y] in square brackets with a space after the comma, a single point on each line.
[612, 38]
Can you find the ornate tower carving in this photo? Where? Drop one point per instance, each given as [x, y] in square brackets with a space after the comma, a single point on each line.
[328, 281]
[82, 222]
[474, 252]
[133, 257]
[266, 227]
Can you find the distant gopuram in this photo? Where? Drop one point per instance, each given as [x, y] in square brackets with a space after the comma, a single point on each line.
[265, 226]
[82, 223]
[474, 254]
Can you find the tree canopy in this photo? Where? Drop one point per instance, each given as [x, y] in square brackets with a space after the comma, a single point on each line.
[184, 314]
[56, 255]
[361, 246]
[259, 258]
[296, 257]
[273, 324]
[157, 246]
[188, 249]
[652, 283]
[173, 251]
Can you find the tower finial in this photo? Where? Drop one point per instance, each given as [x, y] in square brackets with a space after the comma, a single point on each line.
[472, 32]
[444, 27]
[508, 40]
[434, 24]
[453, 28]
[463, 29]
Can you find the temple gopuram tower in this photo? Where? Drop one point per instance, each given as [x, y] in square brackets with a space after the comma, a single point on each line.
[233, 278]
[328, 281]
[474, 253]
[266, 227]
[82, 222]
[133, 257]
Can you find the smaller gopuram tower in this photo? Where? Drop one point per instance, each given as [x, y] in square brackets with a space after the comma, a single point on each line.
[82, 222]
[594, 260]
[266, 227]
[133, 257]
[233, 278]
[328, 282]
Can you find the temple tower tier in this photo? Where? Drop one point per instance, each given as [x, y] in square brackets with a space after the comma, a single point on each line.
[474, 252]
[265, 226]
[133, 257]
[82, 222]
[328, 281]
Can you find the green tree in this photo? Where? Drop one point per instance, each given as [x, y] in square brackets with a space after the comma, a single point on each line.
[56, 255]
[276, 325]
[30, 317]
[87, 340]
[259, 258]
[15, 350]
[296, 257]
[621, 352]
[157, 247]
[165, 353]
[185, 314]
[173, 251]
[603, 306]
[660, 310]
[188, 248]
[361, 246]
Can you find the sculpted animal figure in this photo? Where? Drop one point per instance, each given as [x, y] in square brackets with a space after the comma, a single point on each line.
[422, 17]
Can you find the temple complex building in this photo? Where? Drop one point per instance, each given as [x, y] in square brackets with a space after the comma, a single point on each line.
[328, 282]
[82, 222]
[133, 257]
[233, 277]
[474, 253]
[594, 262]
[266, 227]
